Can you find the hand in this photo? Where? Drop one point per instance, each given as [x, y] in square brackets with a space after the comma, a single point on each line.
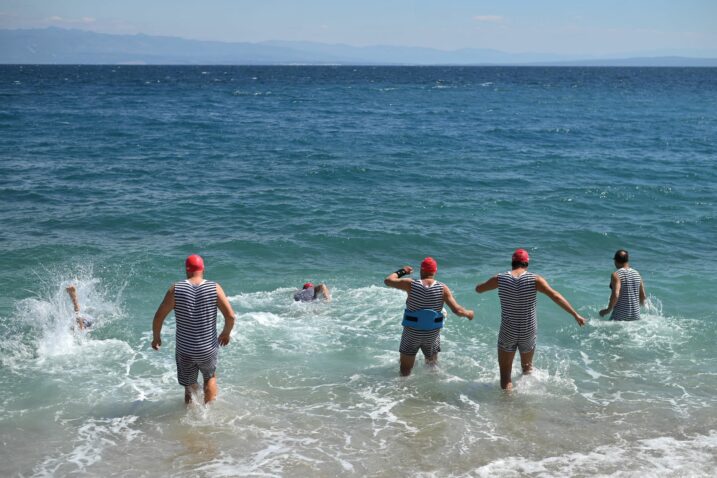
[156, 343]
[408, 269]
[580, 320]
[604, 312]
[470, 314]
[224, 338]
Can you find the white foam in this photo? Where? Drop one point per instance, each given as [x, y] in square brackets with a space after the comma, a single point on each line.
[661, 456]
[93, 437]
[45, 324]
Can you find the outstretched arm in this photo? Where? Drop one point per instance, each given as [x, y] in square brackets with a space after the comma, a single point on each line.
[394, 279]
[542, 286]
[455, 306]
[490, 284]
[226, 309]
[164, 309]
[615, 286]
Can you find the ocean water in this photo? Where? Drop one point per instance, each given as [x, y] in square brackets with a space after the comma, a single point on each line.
[111, 175]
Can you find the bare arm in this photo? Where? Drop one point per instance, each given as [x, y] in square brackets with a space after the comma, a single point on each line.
[72, 291]
[455, 306]
[392, 280]
[226, 309]
[490, 284]
[615, 286]
[164, 309]
[643, 296]
[323, 289]
[542, 286]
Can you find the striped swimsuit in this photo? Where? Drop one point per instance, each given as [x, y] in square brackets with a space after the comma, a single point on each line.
[628, 302]
[195, 311]
[518, 320]
[429, 341]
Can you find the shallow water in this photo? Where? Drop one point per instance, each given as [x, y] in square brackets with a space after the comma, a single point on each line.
[110, 176]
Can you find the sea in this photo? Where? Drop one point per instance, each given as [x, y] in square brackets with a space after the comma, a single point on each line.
[279, 175]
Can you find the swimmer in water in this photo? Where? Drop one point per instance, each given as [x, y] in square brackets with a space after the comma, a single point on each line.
[517, 290]
[195, 302]
[83, 322]
[423, 316]
[628, 290]
[309, 293]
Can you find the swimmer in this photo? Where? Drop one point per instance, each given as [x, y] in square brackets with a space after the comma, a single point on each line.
[309, 293]
[195, 301]
[423, 317]
[518, 319]
[628, 290]
[83, 322]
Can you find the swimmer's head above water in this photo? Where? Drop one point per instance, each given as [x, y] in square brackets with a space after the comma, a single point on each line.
[621, 258]
[429, 267]
[194, 265]
[520, 259]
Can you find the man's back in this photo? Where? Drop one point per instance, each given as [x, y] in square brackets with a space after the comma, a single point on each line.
[628, 302]
[517, 299]
[195, 310]
[424, 296]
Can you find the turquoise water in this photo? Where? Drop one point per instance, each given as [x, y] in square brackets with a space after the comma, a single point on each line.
[110, 176]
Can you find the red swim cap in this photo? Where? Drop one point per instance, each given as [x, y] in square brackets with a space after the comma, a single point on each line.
[308, 284]
[521, 255]
[429, 265]
[194, 263]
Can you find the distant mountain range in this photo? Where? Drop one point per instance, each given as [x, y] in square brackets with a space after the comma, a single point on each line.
[66, 46]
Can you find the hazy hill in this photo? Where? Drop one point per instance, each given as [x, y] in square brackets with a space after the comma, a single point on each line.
[65, 46]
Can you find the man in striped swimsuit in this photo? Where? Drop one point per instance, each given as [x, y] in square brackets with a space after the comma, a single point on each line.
[425, 298]
[628, 290]
[195, 303]
[517, 290]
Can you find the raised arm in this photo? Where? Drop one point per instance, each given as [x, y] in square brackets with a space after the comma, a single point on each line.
[164, 309]
[615, 286]
[394, 279]
[455, 306]
[542, 286]
[226, 309]
[72, 292]
[490, 284]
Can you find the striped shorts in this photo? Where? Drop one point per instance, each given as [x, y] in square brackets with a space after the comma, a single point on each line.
[512, 340]
[188, 368]
[429, 341]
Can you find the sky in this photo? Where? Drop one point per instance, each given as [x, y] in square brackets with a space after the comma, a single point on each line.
[570, 27]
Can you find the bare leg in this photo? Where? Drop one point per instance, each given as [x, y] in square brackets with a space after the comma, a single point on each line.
[526, 362]
[432, 360]
[407, 362]
[210, 390]
[188, 390]
[505, 362]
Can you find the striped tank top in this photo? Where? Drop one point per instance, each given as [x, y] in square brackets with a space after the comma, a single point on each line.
[628, 302]
[425, 297]
[517, 304]
[195, 311]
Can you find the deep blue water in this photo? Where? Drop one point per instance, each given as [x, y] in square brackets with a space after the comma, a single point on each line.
[111, 175]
